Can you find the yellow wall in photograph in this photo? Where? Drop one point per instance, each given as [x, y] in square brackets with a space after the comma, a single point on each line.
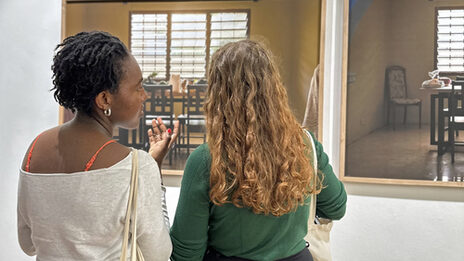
[289, 27]
[367, 59]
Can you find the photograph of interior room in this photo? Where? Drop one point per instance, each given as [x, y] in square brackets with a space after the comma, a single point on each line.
[402, 205]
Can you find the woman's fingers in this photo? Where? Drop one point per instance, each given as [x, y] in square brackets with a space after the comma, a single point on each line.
[151, 136]
[165, 134]
[175, 133]
[154, 125]
[161, 125]
[161, 132]
[176, 127]
[158, 130]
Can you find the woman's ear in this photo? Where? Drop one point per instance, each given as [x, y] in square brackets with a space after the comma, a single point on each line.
[103, 100]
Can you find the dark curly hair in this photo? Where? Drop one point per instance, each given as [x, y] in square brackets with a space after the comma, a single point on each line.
[86, 64]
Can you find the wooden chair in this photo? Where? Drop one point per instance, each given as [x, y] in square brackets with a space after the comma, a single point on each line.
[396, 87]
[160, 103]
[192, 119]
[456, 115]
[131, 138]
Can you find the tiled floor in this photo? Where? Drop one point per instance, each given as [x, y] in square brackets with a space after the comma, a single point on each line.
[402, 154]
[179, 157]
[178, 161]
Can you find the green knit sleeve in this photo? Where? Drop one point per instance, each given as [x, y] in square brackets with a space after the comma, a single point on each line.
[189, 232]
[331, 202]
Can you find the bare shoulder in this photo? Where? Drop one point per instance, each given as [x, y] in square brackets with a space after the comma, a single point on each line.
[46, 133]
[110, 155]
[67, 150]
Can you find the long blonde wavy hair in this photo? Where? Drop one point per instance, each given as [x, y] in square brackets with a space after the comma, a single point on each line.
[259, 159]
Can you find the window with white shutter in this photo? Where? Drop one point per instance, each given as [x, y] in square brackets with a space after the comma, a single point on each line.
[450, 40]
[227, 27]
[188, 45]
[149, 43]
[182, 43]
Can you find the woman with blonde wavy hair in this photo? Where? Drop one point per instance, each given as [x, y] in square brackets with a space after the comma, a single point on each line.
[245, 193]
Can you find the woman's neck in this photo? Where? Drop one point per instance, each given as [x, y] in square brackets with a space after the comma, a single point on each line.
[93, 122]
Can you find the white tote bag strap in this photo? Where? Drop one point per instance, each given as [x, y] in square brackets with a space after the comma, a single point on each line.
[312, 210]
[318, 235]
[131, 212]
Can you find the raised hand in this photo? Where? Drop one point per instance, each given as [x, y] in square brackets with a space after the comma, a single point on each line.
[161, 139]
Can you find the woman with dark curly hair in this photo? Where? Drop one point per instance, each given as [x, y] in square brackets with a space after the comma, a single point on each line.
[245, 193]
[74, 180]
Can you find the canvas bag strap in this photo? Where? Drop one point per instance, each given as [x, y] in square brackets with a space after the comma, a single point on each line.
[312, 210]
[131, 211]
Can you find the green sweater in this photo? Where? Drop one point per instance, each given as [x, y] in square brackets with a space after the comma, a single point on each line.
[239, 232]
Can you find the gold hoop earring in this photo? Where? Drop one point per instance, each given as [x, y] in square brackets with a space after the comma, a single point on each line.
[107, 112]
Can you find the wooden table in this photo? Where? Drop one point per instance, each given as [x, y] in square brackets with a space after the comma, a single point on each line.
[437, 116]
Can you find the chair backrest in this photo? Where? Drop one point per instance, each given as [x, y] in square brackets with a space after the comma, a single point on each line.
[131, 138]
[160, 101]
[195, 99]
[395, 82]
[456, 95]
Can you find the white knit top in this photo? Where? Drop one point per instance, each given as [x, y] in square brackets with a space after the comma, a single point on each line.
[80, 216]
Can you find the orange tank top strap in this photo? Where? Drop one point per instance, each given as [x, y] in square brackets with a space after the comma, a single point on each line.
[90, 163]
[29, 155]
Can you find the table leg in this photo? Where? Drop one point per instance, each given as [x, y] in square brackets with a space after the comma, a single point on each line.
[441, 125]
[433, 97]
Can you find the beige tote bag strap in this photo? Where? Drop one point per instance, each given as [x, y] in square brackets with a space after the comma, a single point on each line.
[131, 211]
[134, 208]
[312, 210]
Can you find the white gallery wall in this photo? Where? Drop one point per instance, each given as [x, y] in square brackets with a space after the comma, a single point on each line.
[30, 30]
[383, 222]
